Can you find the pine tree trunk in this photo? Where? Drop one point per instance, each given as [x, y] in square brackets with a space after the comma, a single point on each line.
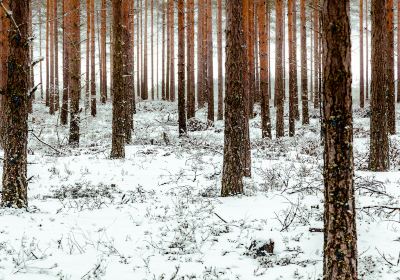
[4, 26]
[88, 57]
[47, 98]
[246, 152]
[168, 46]
[163, 62]
[93, 109]
[263, 42]
[191, 94]
[398, 52]
[379, 140]
[366, 52]
[391, 100]
[145, 89]
[220, 77]
[172, 47]
[279, 94]
[316, 53]
[40, 48]
[292, 57]
[56, 79]
[340, 236]
[75, 71]
[103, 35]
[138, 50]
[361, 55]
[181, 69]
[200, 58]
[250, 58]
[210, 64]
[304, 79]
[232, 172]
[66, 75]
[52, 56]
[14, 191]
[118, 112]
[152, 47]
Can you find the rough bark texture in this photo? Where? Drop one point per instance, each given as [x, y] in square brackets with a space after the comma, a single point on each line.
[56, 79]
[366, 52]
[172, 47]
[118, 114]
[316, 53]
[152, 47]
[93, 108]
[87, 74]
[200, 58]
[191, 94]
[292, 58]
[145, 87]
[66, 75]
[361, 55]
[379, 141]
[263, 42]
[15, 106]
[74, 43]
[391, 100]
[220, 77]
[51, 53]
[181, 69]
[4, 25]
[250, 57]
[398, 52]
[232, 172]
[163, 87]
[210, 64]
[304, 79]
[168, 46]
[103, 51]
[340, 236]
[279, 94]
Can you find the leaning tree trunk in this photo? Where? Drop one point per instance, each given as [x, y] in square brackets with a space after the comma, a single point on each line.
[379, 140]
[74, 55]
[118, 112]
[232, 172]
[15, 106]
[340, 236]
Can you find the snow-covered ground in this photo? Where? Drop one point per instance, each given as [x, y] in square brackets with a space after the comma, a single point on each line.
[158, 215]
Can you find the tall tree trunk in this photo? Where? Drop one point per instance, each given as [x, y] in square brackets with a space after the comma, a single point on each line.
[15, 184]
[56, 80]
[304, 79]
[93, 109]
[232, 172]
[74, 47]
[340, 236]
[52, 55]
[4, 26]
[103, 35]
[391, 100]
[366, 52]
[118, 112]
[250, 58]
[47, 97]
[246, 151]
[88, 57]
[152, 47]
[292, 77]
[168, 46]
[191, 94]
[316, 53]
[66, 75]
[163, 62]
[181, 69]
[379, 140]
[145, 91]
[200, 57]
[138, 50]
[220, 77]
[361, 55]
[39, 7]
[398, 52]
[279, 94]
[210, 64]
[263, 42]
[172, 47]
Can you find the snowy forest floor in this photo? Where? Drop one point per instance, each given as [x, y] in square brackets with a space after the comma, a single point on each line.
[158, 215]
